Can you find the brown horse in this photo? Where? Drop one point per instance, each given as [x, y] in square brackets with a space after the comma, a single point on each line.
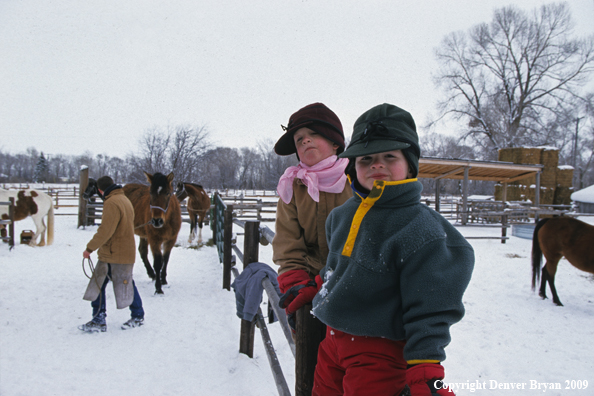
[198, 205]
[157, 221]
[557, 237]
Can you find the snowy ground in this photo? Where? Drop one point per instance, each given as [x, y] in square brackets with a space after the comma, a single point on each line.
[189, 345]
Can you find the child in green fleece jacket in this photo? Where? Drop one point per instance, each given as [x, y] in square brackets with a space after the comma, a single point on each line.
[395, 273]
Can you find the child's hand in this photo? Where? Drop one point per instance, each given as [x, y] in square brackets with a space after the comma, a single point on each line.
[299, 290]
[427, 380]
[300, 294]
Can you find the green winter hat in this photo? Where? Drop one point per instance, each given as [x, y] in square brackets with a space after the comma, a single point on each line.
[385, 128]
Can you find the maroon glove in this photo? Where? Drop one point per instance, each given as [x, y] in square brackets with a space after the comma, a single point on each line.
[427, 380]
[299, 290]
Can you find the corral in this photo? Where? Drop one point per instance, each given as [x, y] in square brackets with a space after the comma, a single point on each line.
[191, 336]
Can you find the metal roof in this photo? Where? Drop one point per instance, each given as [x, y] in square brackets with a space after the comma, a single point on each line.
[503, 172]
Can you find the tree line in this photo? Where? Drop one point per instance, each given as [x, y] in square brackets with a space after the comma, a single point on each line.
[520, 80]
[185, 151]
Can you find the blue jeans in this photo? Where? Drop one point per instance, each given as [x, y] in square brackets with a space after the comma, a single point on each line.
[98, 305]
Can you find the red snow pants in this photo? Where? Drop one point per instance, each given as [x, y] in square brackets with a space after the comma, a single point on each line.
[354, 365]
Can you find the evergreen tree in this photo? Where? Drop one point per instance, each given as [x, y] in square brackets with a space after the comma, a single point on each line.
[41, 169]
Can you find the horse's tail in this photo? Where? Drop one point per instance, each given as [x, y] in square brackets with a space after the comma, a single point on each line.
[536, 253]
[50, 224]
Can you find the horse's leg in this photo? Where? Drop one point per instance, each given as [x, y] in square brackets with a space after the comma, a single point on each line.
[168, 245]
[544, 277]
[143, 250]
[550, 269]
[192, 226]
[42, 235]
[39, 230]
[158, 264]
[200, 223]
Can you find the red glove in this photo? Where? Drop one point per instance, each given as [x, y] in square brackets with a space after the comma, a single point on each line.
[427, 380]
[288, 279]
[299, 290]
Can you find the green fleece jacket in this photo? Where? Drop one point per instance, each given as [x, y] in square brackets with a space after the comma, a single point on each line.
[396, 269]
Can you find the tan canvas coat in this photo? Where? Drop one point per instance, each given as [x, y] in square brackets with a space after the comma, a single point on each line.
[115, 236]
[300, 236]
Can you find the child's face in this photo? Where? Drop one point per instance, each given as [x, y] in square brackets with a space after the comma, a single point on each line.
[388, 166]
[313, 147]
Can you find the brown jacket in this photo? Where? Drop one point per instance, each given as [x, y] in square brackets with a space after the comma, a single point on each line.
[115, 236]
[300, 236]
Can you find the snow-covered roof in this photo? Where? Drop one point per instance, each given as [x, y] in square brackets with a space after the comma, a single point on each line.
[565, 167]
[547, 148]
[481, 197]
[585, 195]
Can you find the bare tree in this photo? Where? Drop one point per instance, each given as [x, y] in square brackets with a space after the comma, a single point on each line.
[272, 165]
[188, 145]
[220, 168]
[174, 149]
[512, 81]
[248, 174]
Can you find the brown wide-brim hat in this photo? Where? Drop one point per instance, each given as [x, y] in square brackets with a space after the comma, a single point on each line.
[317, 117]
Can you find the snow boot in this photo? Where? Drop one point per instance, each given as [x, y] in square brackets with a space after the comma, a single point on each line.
[97, 324]
[133, 322]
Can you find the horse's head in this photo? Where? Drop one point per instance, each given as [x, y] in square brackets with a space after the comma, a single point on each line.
[161, 189]
[91, 189]
[180, 191]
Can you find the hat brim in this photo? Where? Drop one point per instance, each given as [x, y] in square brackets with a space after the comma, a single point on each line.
[372, 147]
[285, 145]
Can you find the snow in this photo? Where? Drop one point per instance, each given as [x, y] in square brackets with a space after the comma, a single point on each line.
[480, 197]
[189, 343]
[585, 195]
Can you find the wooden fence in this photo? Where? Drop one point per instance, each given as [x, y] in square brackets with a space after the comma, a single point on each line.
[9, 223]
[222, 223]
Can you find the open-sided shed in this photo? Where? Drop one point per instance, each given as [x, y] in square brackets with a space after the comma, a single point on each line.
[465, 170]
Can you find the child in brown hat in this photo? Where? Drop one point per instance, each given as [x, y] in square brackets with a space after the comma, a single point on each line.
[308, 192]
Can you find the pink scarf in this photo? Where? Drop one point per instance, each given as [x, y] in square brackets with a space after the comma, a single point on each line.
[327, 175]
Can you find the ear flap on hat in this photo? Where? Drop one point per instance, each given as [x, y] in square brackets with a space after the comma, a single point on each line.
[412, 159]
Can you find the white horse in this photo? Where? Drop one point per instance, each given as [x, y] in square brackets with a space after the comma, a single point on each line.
[36, 204]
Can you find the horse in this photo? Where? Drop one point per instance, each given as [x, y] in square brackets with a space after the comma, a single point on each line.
[157, 221]
[557, 237]
[36, 204]
[198, 205]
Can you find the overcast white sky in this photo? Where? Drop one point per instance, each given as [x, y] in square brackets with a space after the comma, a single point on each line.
[82, 75]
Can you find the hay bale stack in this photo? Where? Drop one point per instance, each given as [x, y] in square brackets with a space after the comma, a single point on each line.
[522, 155]
[564, 176]
[514, 192]
[552, 176]
[550, 159]
[508, 155]
[547, 194]
[562, 195]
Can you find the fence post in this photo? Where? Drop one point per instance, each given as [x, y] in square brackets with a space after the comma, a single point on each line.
[251, 245]
[227, 237]
[309, 333]
[11, 225]
[82, 203]
[503, 228]
[214, 217]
